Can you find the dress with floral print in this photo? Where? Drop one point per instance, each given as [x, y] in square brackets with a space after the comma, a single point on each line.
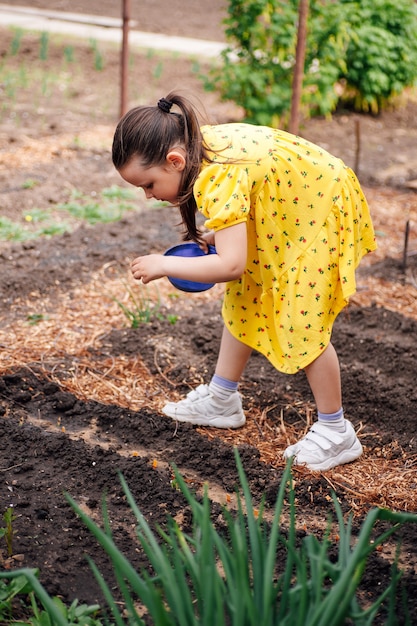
[308, 226]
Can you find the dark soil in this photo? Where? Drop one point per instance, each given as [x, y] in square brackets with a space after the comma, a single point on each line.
[39, 461]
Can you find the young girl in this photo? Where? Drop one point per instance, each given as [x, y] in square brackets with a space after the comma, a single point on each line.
[290, 224]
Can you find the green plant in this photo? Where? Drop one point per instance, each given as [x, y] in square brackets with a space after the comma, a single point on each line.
[120, 193]
[158, 70]
[12, 231]
[98, 57]
[256, 68]
[172, 319]
[381, 55]
[24, 582]
[140, 308]
[35, 318]
[7, 531]
[109, 209]
[16, 41]
[73, 615]
[30, 183]
[44, 46]
[69, 54]
[251, 573]
[37, 215]
[9, 589]
[370, 48]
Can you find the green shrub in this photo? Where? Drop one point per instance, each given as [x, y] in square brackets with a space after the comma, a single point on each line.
[381, 57]
[367, 49]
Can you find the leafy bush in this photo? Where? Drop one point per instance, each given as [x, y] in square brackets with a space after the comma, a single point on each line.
[367, 49]
[381, 56]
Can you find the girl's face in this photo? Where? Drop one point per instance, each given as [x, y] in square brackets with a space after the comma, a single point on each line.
[161, 182]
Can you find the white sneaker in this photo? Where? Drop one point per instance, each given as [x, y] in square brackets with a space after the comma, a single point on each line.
[323, 448]
[201, 407]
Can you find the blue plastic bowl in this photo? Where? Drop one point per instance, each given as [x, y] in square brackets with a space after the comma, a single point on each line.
[189, 249]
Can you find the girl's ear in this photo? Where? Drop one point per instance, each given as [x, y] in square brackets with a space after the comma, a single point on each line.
[176, 159]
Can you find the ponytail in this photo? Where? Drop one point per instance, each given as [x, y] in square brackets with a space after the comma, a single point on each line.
[150, 132]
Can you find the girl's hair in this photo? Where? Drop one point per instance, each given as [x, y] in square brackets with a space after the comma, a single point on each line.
[149, 132]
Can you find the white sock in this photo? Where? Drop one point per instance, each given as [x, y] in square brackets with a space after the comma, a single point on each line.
[333, 420]
[222, 387]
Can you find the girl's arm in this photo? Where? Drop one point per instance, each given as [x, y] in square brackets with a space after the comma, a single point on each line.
[228, 264]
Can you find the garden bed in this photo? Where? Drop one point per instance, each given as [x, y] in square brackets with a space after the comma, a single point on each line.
[81, 391]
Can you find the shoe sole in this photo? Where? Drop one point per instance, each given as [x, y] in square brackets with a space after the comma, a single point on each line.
[232, 421]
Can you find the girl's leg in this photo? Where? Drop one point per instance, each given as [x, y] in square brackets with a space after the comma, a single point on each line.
[233, 357]
[331, 440]
[323, 376]
[218, 404]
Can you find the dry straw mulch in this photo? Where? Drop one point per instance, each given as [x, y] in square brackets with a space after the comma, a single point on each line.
[67, 340]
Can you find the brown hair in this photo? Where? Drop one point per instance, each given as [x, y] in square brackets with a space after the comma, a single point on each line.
[149, 132]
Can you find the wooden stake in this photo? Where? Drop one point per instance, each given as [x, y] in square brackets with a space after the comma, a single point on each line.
[405, 251]
[124, 58]
[358, 146]
[297, 84]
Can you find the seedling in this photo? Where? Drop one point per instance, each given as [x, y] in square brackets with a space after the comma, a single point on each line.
[120, 193]
[172, 319]
[37, 215]
[30, 183]
[16, 41]
[98, 57]
[109, 208]
[158, 69]
[44, 45]
[12, 231]
[69, 54]
[35, 318]
[24, 584]
[7, 531]
[140, 308]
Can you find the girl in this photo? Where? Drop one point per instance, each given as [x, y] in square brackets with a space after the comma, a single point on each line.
[290, 224]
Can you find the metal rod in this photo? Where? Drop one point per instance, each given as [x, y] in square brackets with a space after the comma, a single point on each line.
[405, 251]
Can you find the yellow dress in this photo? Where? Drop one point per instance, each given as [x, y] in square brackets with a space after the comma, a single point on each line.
[308, 226]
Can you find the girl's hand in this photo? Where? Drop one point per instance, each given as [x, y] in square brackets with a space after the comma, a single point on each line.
[227, 264]
[147, 268]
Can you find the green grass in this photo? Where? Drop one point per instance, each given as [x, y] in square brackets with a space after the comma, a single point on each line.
[141, 308]
[110, 206]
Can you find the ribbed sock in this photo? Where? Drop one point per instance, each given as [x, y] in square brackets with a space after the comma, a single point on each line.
[222, 387]
[333, 420]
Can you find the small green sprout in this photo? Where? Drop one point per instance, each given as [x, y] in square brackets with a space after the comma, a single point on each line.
[35, 318]
[7, 531]
[30, 183]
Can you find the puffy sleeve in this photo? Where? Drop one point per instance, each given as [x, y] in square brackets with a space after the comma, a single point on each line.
[222, 194]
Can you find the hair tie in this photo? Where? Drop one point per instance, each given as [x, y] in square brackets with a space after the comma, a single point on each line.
[165, 105]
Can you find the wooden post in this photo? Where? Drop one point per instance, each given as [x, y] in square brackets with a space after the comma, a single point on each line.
[358, 146]
[297, 85]
[124, 58]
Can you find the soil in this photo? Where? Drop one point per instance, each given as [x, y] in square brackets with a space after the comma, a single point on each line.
[81, 390]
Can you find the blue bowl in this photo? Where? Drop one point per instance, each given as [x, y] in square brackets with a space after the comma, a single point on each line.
[189, 249]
